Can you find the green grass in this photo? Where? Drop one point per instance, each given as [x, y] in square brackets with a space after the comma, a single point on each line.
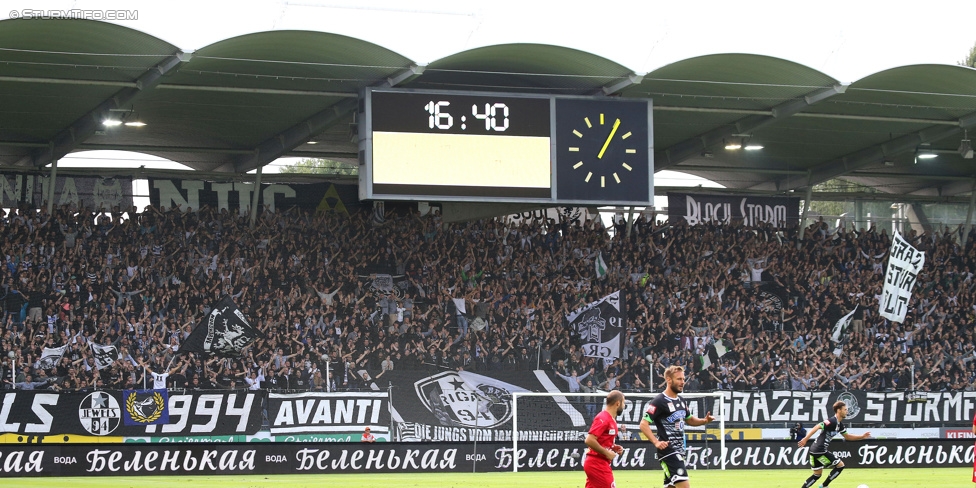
[771, 478]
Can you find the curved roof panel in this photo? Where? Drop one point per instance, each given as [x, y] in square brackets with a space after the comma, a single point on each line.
[526, 67]
[927, 91]
[77, 49]
[291, 60]
[269, 93]
[733, 81]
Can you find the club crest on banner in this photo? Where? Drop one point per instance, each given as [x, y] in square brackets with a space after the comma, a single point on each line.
[99, 413]
[108, 194]
[382, 285]
[145, 407]
[456, 402]
[851, 401]
[591, 326]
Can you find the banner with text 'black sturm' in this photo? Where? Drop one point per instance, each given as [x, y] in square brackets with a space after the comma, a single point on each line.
[298, 458]
[315, 412]
[779, 212]
[100, 413]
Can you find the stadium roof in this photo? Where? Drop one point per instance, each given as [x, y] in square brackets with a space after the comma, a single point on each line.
[243, 102]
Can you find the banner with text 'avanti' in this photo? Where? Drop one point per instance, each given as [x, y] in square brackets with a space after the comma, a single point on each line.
[343, 413]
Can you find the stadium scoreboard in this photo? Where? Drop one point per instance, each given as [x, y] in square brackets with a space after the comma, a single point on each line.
[421, 145]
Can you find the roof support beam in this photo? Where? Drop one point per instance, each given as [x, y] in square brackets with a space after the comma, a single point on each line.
[262, 91]
[404, 76]
[959, 185]
[296, 135]
[877, 153]
[629, 80]
[806, 115]
[83, 128]
[694, 146]
[169, 86]
[67, 81]
[292, 137]
[701, 168]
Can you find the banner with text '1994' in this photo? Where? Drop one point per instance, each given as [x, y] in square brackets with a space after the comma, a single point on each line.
[101, 412]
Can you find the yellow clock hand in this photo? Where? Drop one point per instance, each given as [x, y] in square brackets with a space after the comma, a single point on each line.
[605, 144]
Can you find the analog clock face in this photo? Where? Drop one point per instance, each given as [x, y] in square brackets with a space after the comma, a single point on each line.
[602, 150]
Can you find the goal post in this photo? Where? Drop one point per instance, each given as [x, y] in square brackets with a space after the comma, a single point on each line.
[559, 413]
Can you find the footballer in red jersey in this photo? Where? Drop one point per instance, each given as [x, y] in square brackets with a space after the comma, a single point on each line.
[601, 441]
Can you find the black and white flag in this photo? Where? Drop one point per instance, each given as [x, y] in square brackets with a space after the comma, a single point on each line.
[841, 326]
[51, 356]
[904, 264]
[602, 326]
[223, 332]
[105, 356]
[713, 352]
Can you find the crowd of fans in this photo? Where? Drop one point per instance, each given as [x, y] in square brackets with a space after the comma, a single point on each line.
[342, 299]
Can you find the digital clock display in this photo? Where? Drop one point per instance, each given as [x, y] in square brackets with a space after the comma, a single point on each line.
[471, 146]
[460, 145]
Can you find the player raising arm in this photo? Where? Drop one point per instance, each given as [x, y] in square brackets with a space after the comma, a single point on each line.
[669, 415]
[820, 454]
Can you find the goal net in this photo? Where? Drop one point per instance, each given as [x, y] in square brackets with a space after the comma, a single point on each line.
[556, 416]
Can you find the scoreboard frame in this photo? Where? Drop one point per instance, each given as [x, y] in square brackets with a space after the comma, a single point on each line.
[426, 145]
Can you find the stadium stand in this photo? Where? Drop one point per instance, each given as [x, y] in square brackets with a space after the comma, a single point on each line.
[480, 296]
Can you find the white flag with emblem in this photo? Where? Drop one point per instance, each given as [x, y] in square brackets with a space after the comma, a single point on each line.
[601, 326]
[51, 356]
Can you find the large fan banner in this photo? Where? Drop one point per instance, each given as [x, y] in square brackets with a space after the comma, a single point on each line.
[224, 332]
[601, 326]
[91, 192]
[904, 264]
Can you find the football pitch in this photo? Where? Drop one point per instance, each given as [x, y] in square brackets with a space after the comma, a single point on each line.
[773, 478]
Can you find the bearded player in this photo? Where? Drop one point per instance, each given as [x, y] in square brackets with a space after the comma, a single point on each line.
[602, 443]
[669, 415]
[820, 454]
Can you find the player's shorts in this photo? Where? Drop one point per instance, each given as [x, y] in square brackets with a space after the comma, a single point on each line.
[598, 474]
[823, 460]
[674, 469]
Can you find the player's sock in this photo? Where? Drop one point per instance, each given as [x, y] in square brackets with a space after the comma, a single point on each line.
[833, 475]
[811, 480]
